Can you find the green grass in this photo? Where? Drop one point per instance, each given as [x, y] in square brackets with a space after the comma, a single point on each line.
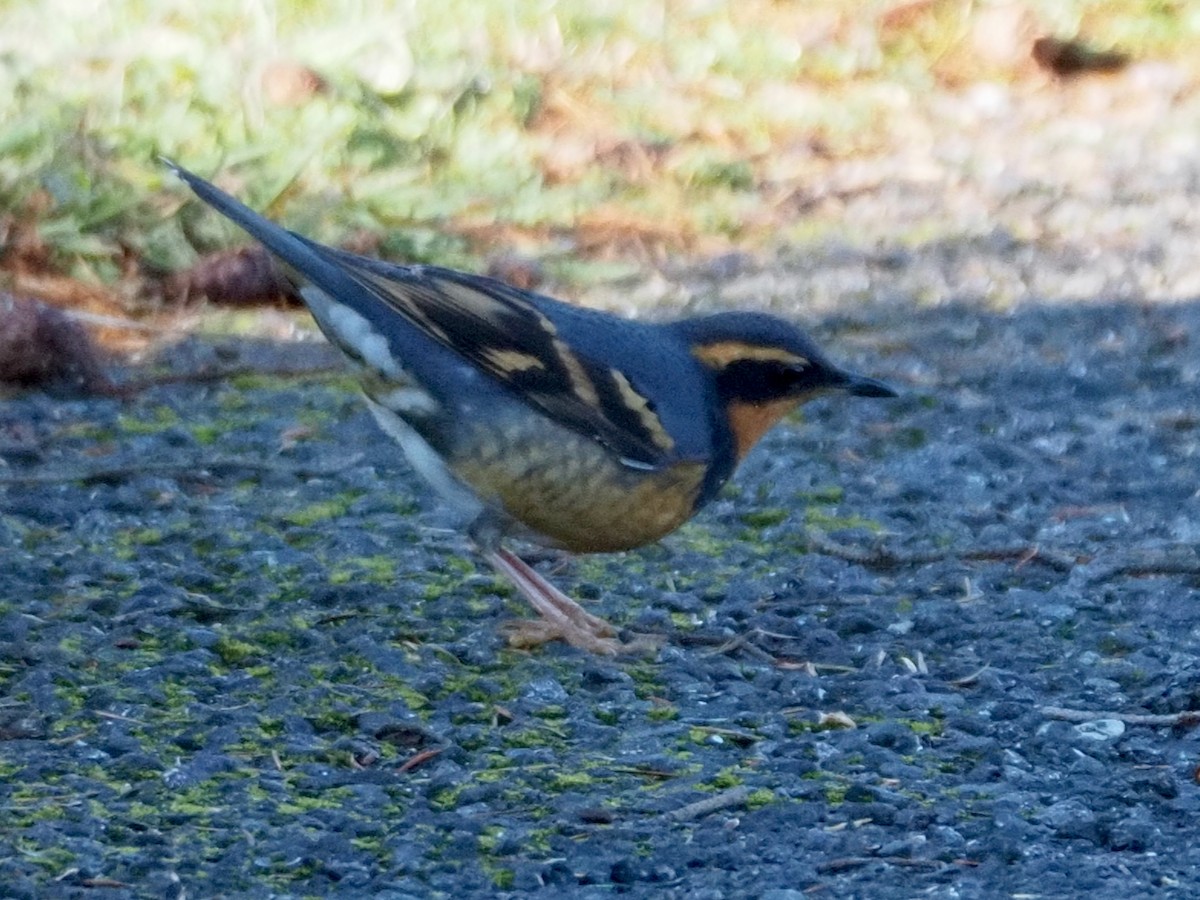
[599, 128]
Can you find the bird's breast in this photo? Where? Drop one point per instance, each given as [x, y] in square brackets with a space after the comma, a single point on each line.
[573, 491]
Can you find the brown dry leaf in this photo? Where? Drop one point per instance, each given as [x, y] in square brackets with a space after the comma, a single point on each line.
[522, 272]
[24, 249]
[568, 127]
[830, 721]
[290, 437]
[906, 16]
[363, 242]
[286, 82]
[488, 233]
[90, 299]
[420, 758]
[964, 42]
[611, 232]
[639, 162]
[41, 345]
[244, 276]
[566, 158]
[565, 109]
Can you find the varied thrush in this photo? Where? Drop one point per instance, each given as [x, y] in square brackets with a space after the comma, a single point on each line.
[570, 427]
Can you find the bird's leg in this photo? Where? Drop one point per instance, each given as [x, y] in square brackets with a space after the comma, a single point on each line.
[562, 617]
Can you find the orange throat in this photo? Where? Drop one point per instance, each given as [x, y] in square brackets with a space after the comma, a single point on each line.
[750, 421]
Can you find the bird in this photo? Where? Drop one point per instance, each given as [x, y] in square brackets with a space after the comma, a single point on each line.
[541, 421]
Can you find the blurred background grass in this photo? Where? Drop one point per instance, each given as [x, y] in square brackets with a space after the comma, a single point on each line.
[598, 131]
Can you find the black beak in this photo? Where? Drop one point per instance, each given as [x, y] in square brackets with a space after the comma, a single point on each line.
[862, 386]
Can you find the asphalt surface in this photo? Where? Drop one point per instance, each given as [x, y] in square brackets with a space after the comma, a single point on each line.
[941, 646]
[244, 656]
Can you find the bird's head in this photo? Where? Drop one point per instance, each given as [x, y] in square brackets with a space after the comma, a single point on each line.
[763, 367]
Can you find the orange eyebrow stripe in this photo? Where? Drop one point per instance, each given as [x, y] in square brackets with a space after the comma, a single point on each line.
[720, 354]
[750, 421]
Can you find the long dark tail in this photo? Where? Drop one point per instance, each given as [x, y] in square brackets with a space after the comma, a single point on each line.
[308, 259]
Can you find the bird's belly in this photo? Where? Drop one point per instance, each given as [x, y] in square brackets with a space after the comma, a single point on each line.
[571, 491]
[428, 462]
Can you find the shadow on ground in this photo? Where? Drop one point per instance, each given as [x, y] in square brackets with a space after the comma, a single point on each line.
[243, 655]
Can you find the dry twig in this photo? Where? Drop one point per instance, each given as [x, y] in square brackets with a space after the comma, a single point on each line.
[724, 800]
[882, 558]
[198, 468]
[1189, 718]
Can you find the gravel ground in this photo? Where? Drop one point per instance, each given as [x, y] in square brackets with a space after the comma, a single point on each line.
[244, 655]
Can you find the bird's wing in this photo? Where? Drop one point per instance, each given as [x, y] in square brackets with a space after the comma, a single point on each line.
[493, 326]
[500, 330]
